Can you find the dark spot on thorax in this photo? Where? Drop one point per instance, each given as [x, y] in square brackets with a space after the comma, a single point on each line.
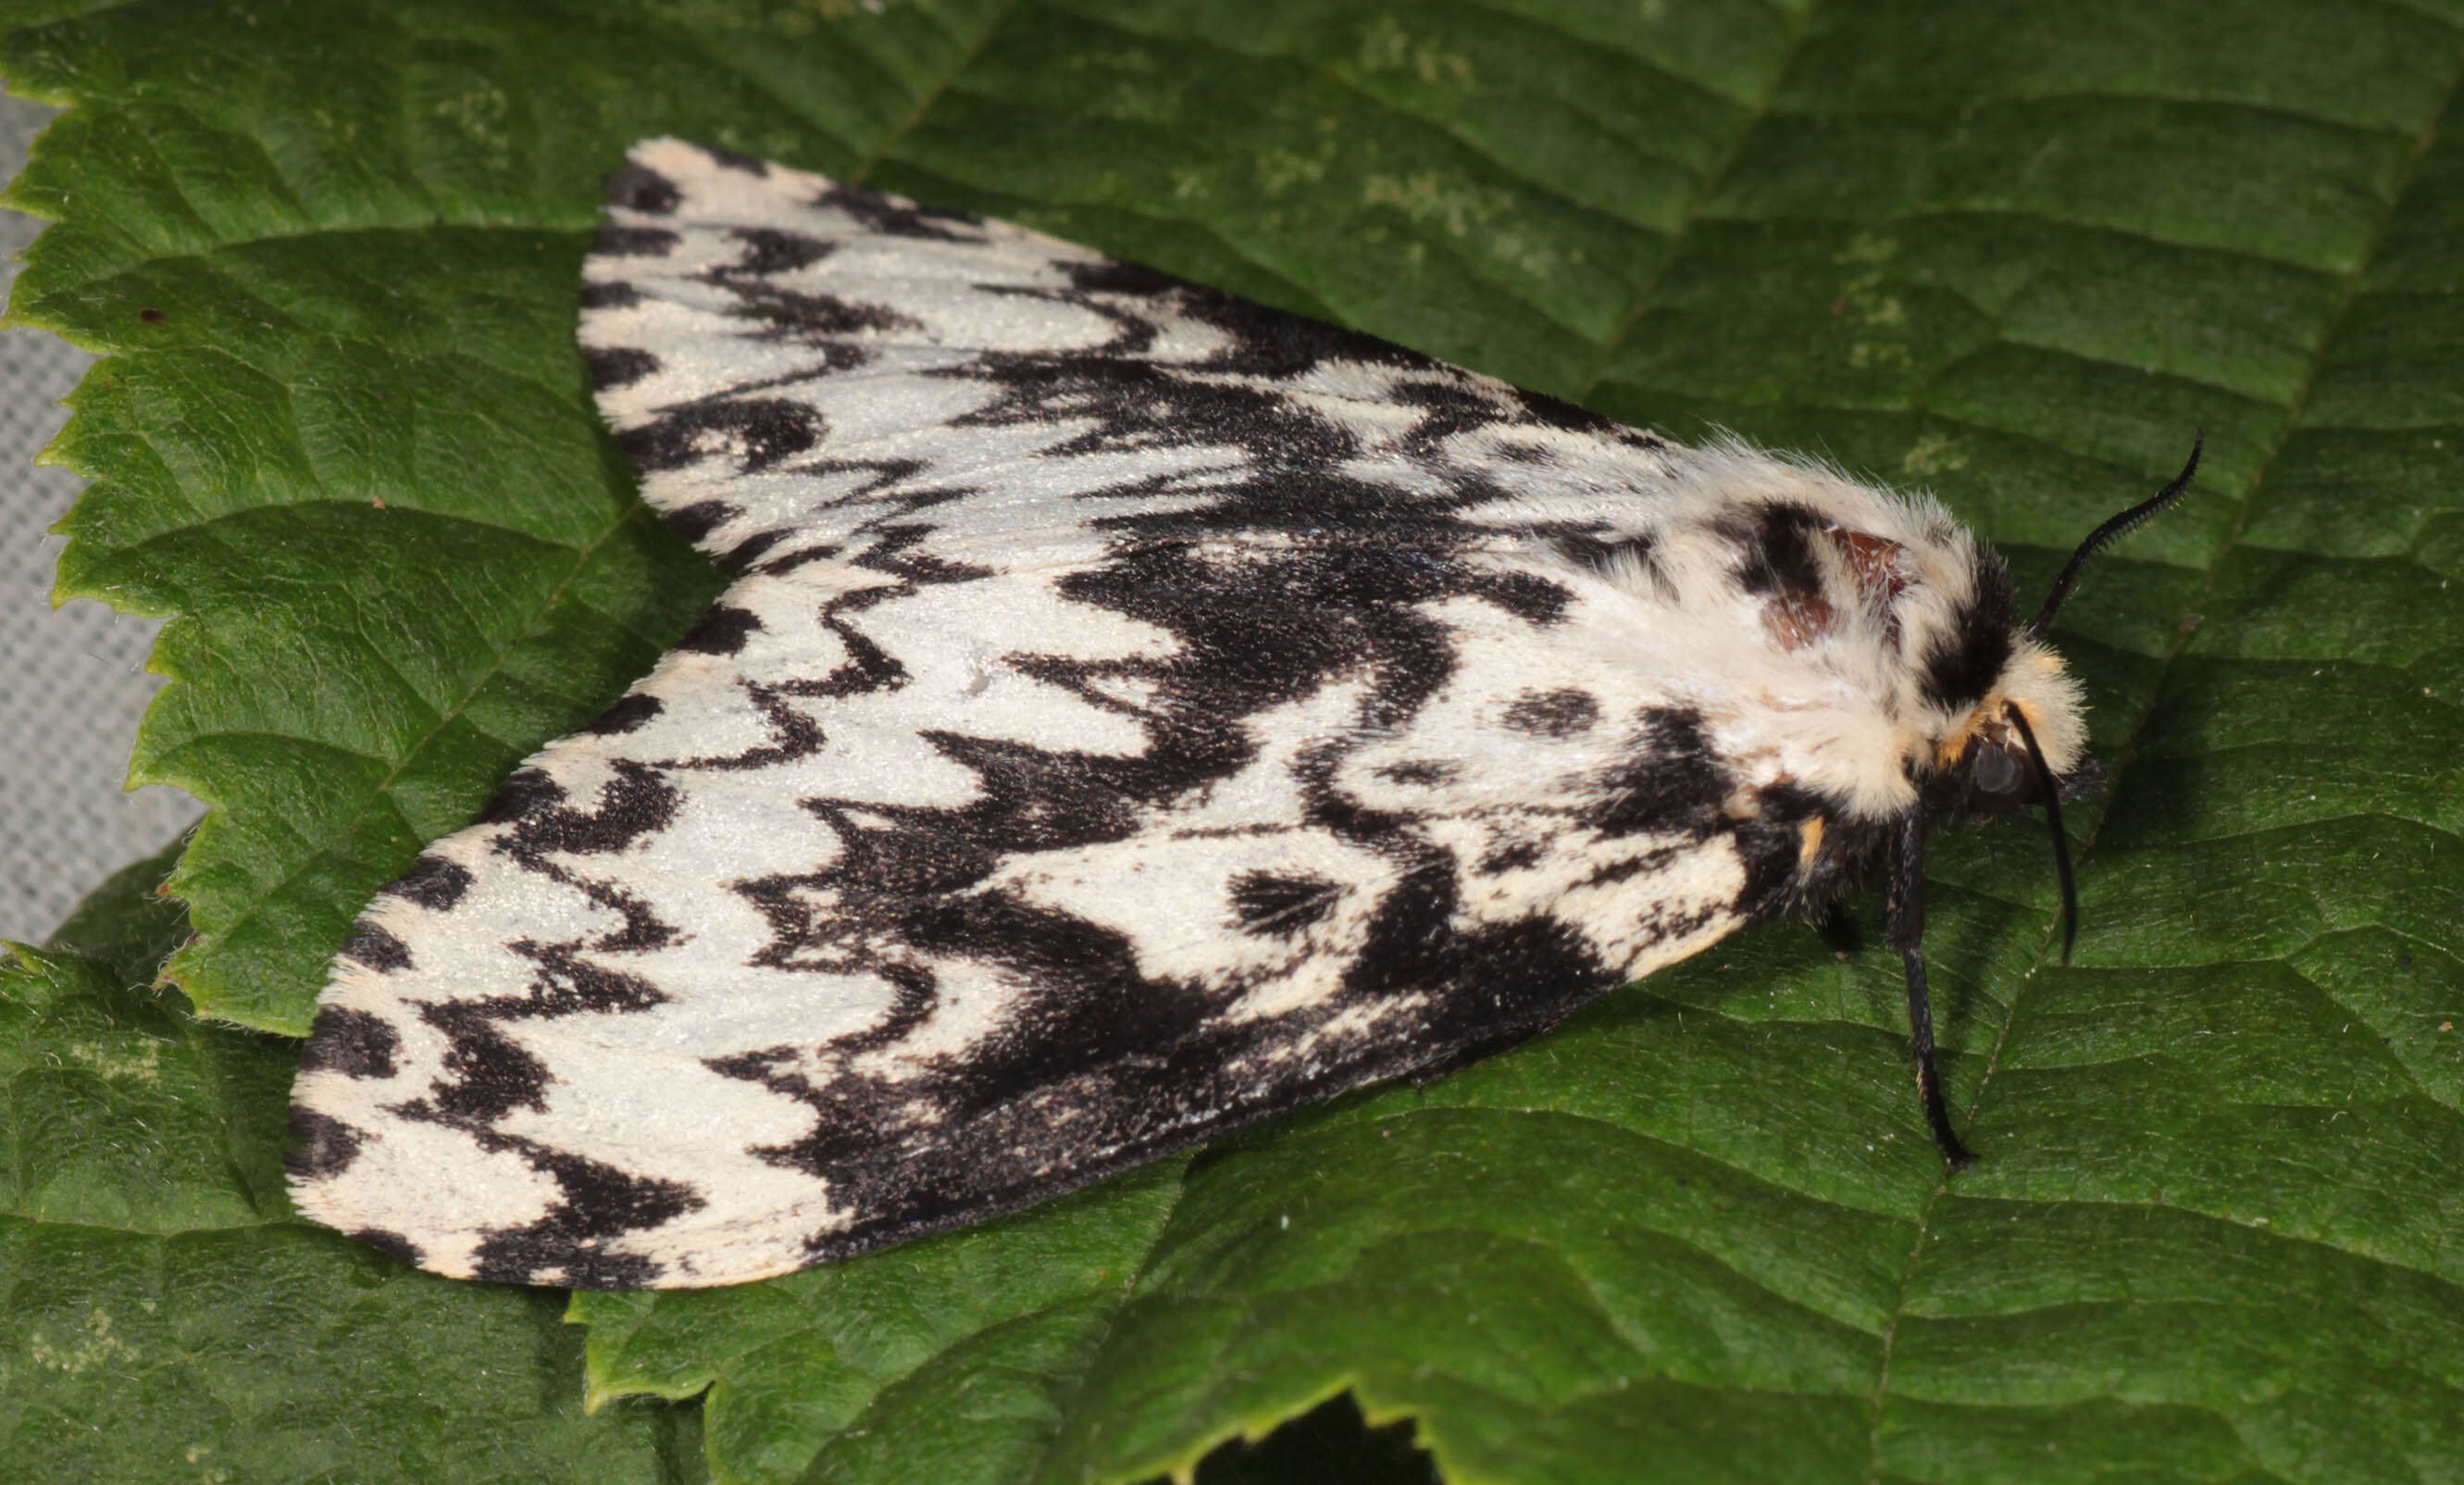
[1963, 662]
[1777, 562]
[1777, 549]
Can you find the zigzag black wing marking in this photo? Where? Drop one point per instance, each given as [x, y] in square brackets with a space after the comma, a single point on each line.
[1137, 712]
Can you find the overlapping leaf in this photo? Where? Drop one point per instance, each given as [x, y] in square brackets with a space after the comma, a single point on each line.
[2015, 253]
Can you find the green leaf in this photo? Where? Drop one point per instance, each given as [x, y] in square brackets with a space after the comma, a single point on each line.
[2015, 253]
[164, 1316]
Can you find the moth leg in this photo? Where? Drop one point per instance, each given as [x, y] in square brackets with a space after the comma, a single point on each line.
[1907, 935]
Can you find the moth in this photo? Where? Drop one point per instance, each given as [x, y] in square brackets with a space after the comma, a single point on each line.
[1137, 712]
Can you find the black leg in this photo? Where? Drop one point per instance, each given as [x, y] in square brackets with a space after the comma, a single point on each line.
[1907, 935]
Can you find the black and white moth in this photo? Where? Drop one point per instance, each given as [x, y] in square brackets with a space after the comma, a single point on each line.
[1137, 712]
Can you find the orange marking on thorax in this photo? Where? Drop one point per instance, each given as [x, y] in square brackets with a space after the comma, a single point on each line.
[1985, 721]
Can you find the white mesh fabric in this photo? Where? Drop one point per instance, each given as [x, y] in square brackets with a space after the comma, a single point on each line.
[75, 681]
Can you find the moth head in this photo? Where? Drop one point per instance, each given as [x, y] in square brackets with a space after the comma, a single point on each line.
[2026, 741]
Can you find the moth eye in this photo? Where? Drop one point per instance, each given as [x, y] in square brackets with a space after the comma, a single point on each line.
[1997, 772]
[1998, 778]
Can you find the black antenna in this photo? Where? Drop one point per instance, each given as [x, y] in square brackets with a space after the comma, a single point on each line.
[1907, 935]
[2112, 531]
[2053, 817]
